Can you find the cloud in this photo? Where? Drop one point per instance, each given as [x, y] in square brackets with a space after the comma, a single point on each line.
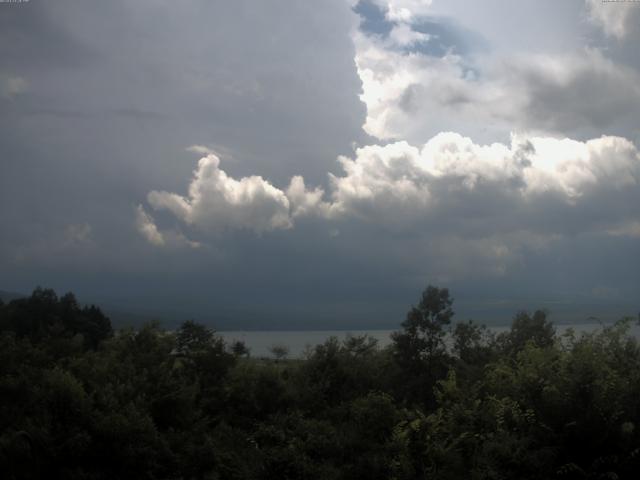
[147, 227]
[201, 150]
[603, 292]
[449, 187]
[402, 35]
[274, 84]
[306, 202]
[78, 234]
[70, 243]
[12, 85]
[399, 87]
[411, 95]
[630, 229]
[452, 184]
[217, 202]
[454, 256]
[467, 204]
[468, 209]
[404, 10]
[613, 17]
[383, 183]
[563, 93]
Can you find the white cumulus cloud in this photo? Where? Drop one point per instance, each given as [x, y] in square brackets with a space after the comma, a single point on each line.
[411, 95]
[612, 17]
[404, 10]
[306, 202]
[453, 183]
[448, 186]
[147, 227]
[217, 202]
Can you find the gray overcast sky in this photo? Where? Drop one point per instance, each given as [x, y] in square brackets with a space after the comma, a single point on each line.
[294, 164]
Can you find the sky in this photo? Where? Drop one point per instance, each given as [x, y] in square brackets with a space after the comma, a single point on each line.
[306, 165]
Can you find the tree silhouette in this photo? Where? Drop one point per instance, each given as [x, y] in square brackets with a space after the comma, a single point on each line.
[420, 347]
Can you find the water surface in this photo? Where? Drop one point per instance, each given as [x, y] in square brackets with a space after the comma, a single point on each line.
[259, 342]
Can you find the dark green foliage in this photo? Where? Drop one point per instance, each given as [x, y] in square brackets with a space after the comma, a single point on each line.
[280, 352]
[420, 348]
[424, 329]
[43, 317]
[79, 402]
[526, 328]
[240, 349]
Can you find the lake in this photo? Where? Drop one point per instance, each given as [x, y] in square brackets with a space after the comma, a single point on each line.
[259, 342]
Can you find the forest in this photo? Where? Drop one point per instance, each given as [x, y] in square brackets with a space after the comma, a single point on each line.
[446, 400]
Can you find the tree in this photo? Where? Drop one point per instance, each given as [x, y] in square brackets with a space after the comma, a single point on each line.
[240, 349]
[423, 335]
[526, 328]
[279, 351]
[420, 348]
[44, 316]
[193, 338]
[205, 357]
[96, 327]
[360, 345]
[472, 343]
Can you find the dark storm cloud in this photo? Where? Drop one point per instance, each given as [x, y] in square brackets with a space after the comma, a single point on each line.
[31, 41]
[105, 97]
[99, 100]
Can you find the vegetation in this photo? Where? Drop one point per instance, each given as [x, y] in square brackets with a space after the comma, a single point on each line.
[79, 401]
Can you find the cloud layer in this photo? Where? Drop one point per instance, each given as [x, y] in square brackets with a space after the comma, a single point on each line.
[615, 18]
[449, 186]
[478, 161]
[413, 94]
[499, 145]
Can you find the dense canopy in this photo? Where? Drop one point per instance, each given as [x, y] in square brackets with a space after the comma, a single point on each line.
[444, 401]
